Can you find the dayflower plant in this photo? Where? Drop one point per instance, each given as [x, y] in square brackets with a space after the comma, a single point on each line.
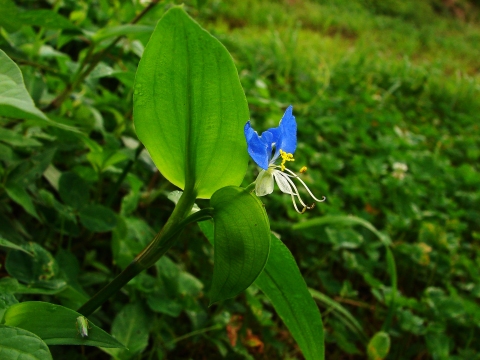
[267, 148]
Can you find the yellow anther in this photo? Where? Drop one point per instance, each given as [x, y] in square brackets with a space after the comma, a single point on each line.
[285, 157]
[303, 169]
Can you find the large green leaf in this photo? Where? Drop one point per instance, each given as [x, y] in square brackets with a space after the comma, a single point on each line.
[242, 241]
[56, 325]
[15, 101]
[19, 344]
[282, 282]
[189, 107]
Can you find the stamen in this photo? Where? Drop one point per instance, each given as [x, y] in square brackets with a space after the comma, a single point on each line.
[295, 205]
[285, 157]
[306, 187]
[288, 187]
[292, 184]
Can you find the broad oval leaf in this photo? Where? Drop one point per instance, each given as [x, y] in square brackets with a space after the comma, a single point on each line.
[56, 325]
[18, 343]
[242, 241]
[15, 101]
[190, 108]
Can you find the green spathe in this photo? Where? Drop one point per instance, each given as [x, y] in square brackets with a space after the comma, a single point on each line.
[242, 241]
[190, 108]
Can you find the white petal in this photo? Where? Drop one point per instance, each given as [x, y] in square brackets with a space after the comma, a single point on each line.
[282, 182]
[264, 183]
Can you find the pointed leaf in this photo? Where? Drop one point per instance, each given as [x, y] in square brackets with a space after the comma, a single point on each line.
[21, 344]
[20, 195]
[242, 241]
[282, 282]
[15, 101]
[56, 325]
[284, 285]
[189, 107]
[9, 245]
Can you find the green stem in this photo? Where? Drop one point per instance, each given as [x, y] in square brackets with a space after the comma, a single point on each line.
[251, 187]
[154, 251]
[122, 177]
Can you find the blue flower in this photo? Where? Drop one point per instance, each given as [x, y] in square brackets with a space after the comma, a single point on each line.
[266, 148]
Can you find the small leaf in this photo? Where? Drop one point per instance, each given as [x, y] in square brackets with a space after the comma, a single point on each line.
[15, 139]
[242, 241]
[56, 325]
[15, 101]
[20, 195]
[98, 218]
[40, 270]
[18, 343]
[131, 328]
[379, 346]
[128, 239]
[73, 190]
[189, 107]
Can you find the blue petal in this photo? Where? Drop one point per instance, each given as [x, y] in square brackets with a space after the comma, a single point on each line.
[257, 146]
[287, 137]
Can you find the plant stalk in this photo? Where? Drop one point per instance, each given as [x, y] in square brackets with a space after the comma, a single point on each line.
[164, 239]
